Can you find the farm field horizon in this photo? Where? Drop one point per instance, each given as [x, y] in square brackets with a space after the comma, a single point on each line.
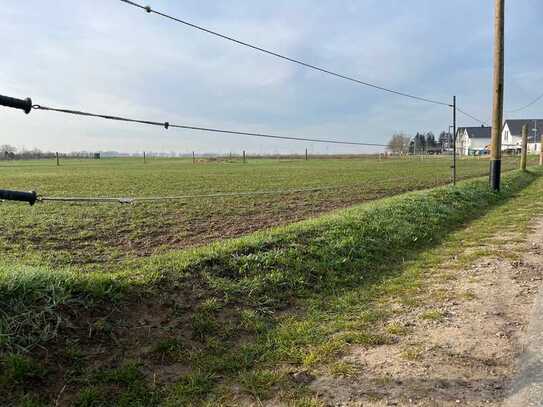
[97, 236]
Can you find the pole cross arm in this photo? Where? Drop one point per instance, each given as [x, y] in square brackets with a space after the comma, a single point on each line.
[30, 197]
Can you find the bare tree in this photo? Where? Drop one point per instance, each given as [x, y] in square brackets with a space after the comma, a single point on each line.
[6, 148]
[7, 152]
[399, 144]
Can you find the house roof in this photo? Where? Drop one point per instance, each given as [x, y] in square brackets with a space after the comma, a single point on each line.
[515, 127]
[480, 132]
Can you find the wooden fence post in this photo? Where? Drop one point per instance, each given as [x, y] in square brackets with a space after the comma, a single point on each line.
[524, 149]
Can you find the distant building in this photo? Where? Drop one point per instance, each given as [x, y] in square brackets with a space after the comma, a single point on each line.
[512, 134]
[473, 140]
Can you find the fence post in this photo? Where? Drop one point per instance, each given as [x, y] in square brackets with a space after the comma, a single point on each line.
[306, 157]
[144, 158]
[193, 158]
[58, 162]
[524, 147]
[243, 156]
[541, 150]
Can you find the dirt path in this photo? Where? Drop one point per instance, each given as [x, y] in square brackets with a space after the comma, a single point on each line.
[463, 351]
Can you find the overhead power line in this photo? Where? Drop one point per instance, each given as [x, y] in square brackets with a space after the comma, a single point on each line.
[275, 54]
[470, 116]
[533, 102]
[167, 125]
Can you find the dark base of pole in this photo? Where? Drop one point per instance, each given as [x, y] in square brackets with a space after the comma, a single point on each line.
[495, 174]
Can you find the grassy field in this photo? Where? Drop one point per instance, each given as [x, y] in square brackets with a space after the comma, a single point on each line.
[231, 323]
[98, 236]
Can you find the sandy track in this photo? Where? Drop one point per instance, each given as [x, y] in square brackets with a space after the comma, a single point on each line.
[467, 356]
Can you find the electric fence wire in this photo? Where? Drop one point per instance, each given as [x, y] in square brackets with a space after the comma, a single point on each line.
[148, 9]
[167, 125]
[134, 200]
[129, 200]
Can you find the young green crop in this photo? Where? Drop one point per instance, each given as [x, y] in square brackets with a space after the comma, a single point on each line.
[99, 236]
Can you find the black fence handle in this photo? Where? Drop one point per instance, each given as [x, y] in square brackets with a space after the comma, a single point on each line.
[23, 104]
[20, 196]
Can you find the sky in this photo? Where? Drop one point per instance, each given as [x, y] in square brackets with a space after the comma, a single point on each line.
[107, 57]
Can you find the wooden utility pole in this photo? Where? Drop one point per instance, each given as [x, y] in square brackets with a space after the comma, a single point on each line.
[497, 105]
[541, 150]
[524, 150]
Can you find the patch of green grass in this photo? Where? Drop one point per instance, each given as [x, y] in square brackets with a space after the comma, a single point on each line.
[210, 306]
[259, 383]
[126, 375]
[31, 401]
[307, 402]
[432, 315]
[16, 369]
[191, 389]
[203, 325]
[91, 397]
[252, 321]
[324, 352]
[171, 348]
[395, 328]
[124, 386]
[344, 369]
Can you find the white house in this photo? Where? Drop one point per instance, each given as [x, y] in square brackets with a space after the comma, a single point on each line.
[473, 140]
[512, 134]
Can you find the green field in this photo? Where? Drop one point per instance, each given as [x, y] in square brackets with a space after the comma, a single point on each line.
[97, 309]
[98, 236]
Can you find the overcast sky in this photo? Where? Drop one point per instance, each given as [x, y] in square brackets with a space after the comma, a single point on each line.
[107, 57]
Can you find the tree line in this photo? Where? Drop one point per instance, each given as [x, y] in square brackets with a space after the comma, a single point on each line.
[8, 152]
[421, 143]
